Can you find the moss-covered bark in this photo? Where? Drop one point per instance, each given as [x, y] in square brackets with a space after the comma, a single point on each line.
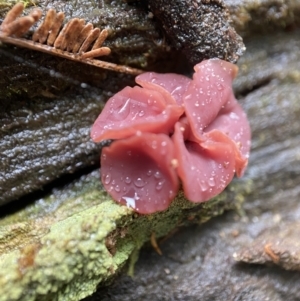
[66, 244]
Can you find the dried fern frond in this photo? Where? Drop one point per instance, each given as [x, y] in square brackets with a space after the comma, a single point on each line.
[75, 40]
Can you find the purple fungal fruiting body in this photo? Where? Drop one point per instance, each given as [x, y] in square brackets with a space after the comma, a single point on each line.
[173, 128]
[143, 179]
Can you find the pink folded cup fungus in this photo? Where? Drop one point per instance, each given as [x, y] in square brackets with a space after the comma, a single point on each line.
[138, 171]
[172, 128]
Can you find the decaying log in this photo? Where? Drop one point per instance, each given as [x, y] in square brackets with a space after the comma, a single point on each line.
[67, 242]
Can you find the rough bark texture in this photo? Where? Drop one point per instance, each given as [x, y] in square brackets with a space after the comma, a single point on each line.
[263, 16]
[48, 104]
[200, 29]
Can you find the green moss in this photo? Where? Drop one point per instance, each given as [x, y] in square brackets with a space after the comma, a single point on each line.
[63, 252]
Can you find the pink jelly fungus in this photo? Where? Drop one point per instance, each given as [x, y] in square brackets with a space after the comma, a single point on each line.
[172, 128]
[138, 172]
[135, 109]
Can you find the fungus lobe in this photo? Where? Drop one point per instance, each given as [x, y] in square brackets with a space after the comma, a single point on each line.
[138, 173]
[173, 128]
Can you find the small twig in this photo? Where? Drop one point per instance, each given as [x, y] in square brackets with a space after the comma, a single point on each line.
[73, 57]
[268, 250]
[76, 41]
[154, 244]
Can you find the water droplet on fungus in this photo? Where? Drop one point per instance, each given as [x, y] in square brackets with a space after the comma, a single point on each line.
[157, 175]
[139, 182]
[203, 185]
[159, 185]
[149, 172]
[220, 87]
[127, 180]
[122, 111]
[107, 178]
[154, 144]
[211, 182]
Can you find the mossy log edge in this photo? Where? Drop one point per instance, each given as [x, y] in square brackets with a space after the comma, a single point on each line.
[69, 259]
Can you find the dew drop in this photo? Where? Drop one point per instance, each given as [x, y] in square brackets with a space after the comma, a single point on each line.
[157, 175]
[211, 182]
[197, 104]
[149, 173]
[154, 144]
[107, 179]
[203, 185]
[220, 86]
[117, 188]
[129, 153]
[141, 113]
[234, 116]
[160, 185]
[139, 182]
[127, 180]
[121, 112]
